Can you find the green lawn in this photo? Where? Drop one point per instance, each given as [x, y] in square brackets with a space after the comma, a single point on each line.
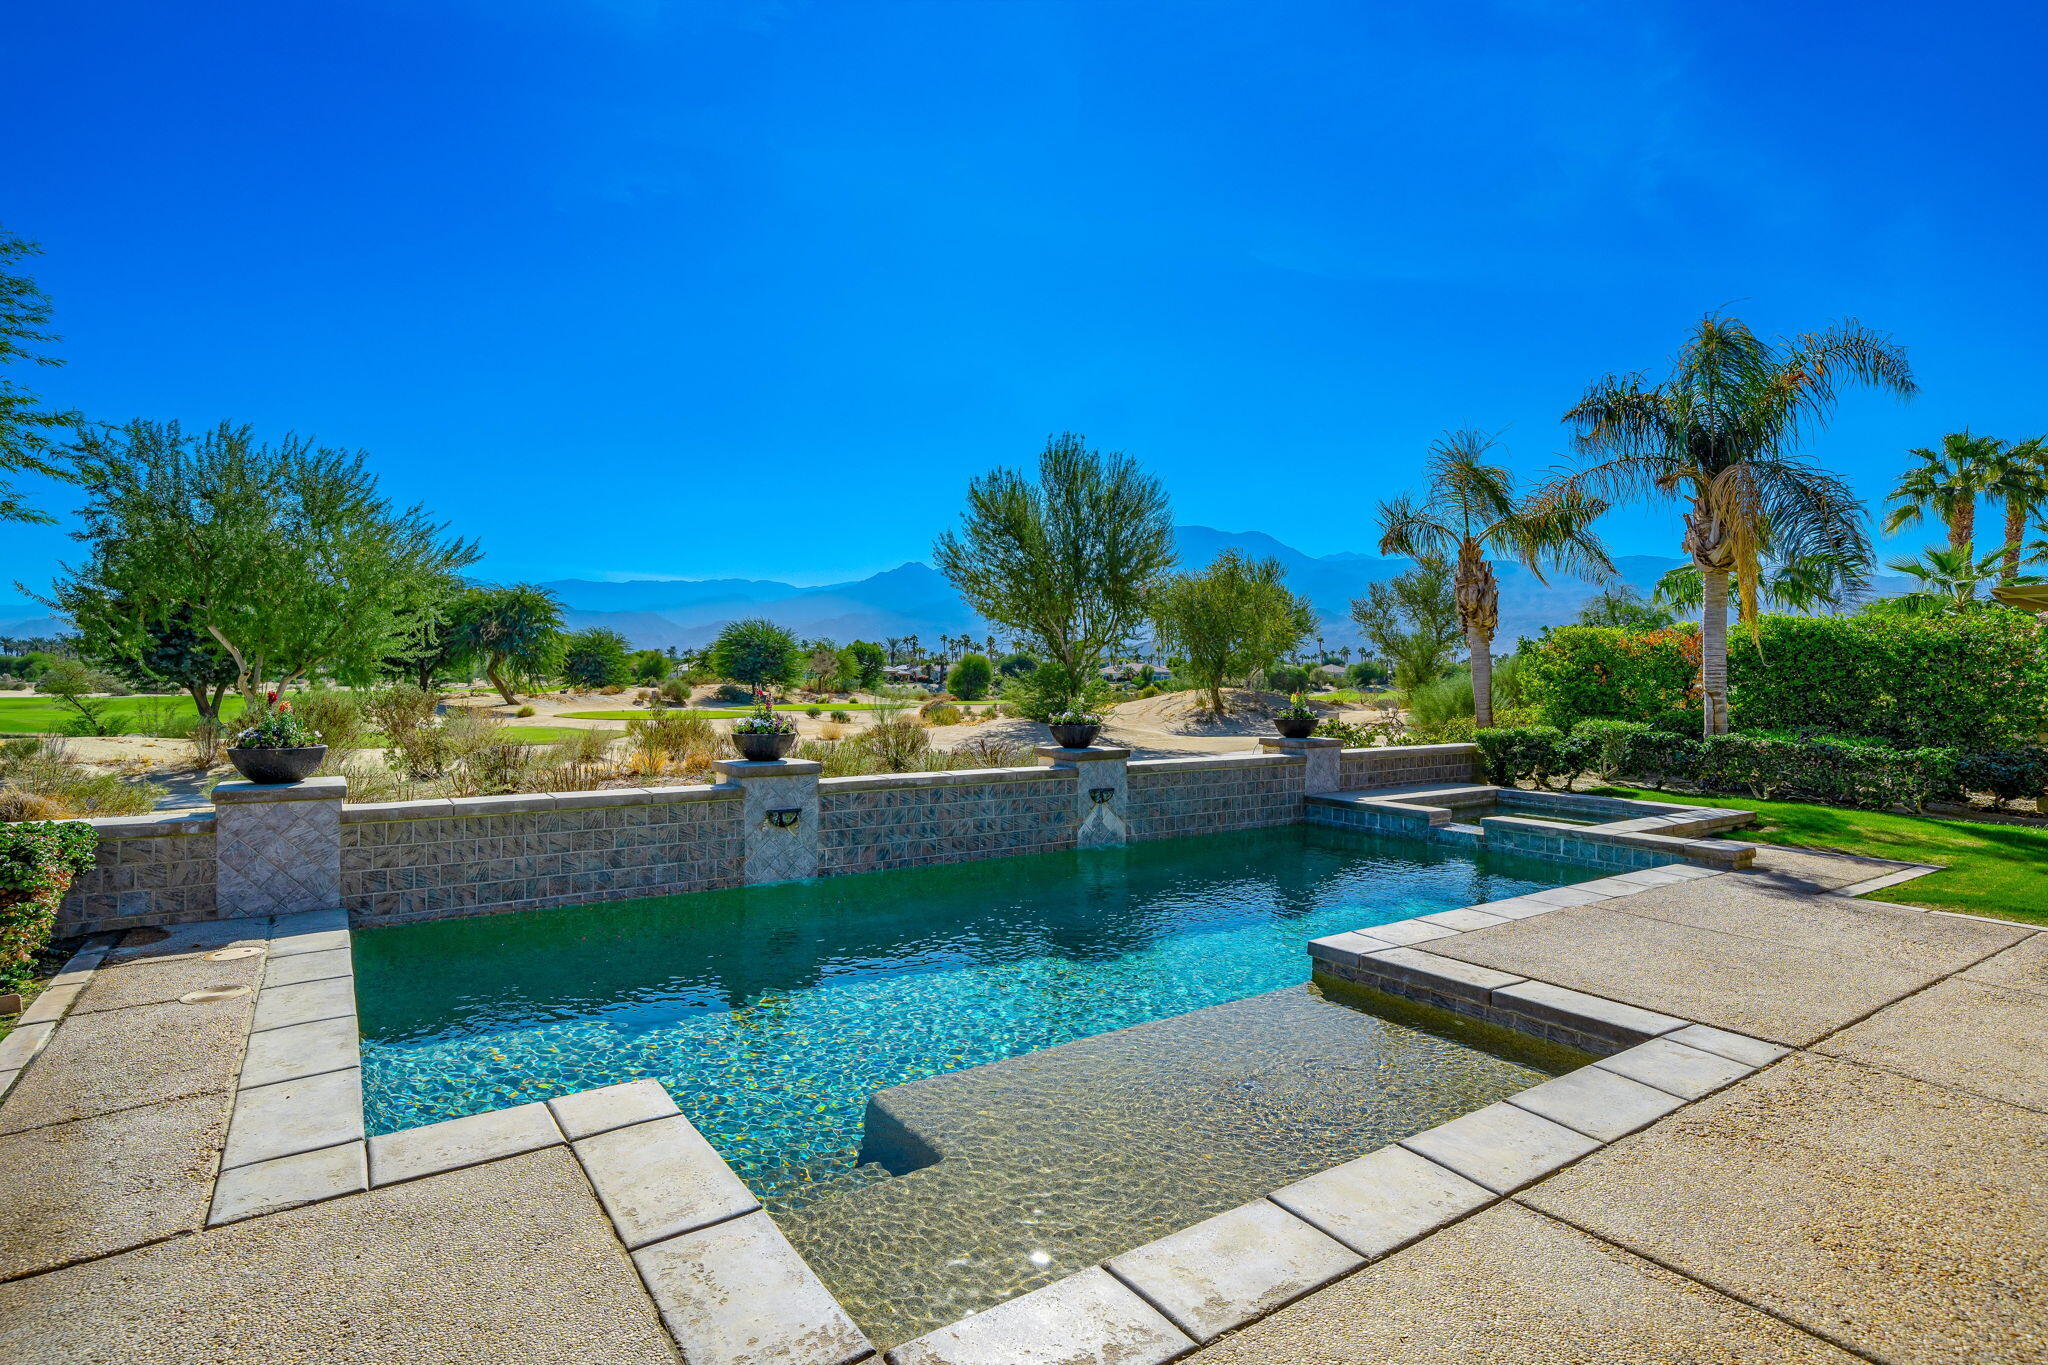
[1990, 869]
[537, 734]
[38, 715]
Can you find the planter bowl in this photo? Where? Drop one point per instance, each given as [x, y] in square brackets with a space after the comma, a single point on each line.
[1294, 727]
[763, 748]
[274, 766]
[1074, 736]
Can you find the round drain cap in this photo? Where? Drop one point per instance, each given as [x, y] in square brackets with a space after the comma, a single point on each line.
[236, 953]
[208, 994]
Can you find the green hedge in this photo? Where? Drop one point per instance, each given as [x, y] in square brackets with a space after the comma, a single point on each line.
[38, 861]
[1974, 681]
[1767, 766]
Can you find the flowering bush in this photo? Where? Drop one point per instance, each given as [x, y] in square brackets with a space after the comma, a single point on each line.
[278, 728]
[38, 862]
[1073, 716]
[763, 720]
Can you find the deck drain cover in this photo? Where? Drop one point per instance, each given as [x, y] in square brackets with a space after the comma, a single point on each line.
[235, 954]
[207, 994]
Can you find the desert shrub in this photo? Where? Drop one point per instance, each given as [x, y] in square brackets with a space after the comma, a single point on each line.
[591, 746]
[841, 718]
[1577, 673]
[337, 717]
[987, 751]
[496, 768]
[1147, 692]
[830, 730]
[12, 682]
[524, 711]
[164, 717]
[675, 691]
[1447, 699]
[1356, 736]
[971, 678]
[38, 863]
[399, 710]
[42, 782]
[1368, 674]
[733, 694]
[209, 741]
[78, 687]
[897, 744]
[1046, 690]
[945, 713]
[2006, 775]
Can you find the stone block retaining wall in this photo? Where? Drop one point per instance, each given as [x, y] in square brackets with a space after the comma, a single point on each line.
[150, 869]
[1172, 797]
[1398, 767]
[409, 860]
[872, 824]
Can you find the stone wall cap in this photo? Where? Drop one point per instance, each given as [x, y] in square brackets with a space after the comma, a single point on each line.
[157, 824]
[1200, 761]
[236, 791]
[1379, 750]
[1094, 753]
[741, 769]
[1285, 744]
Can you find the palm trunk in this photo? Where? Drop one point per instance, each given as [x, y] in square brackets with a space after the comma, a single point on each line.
[1480, 642]
[2015, 527]
[1962, 529]
[1714, 649]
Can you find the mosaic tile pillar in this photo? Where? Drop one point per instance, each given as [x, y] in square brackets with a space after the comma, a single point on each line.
[1102, 791]
[779, 823]
[1325, 760]
[277, 846]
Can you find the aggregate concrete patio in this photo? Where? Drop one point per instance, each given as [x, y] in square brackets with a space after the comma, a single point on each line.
[1880, 1193]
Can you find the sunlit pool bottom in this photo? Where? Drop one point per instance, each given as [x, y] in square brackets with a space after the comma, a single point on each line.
[773, 1013]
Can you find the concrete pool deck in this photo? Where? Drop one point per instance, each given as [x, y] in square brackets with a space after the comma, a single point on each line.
[1879, 1193]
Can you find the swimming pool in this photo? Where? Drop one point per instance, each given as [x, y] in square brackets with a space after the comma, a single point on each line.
[772, 1013]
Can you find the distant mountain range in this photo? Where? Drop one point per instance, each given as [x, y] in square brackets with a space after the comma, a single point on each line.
[915, 599]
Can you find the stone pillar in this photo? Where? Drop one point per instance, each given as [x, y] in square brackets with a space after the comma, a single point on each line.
[779, 825]
[1325, 760]
[1101, 791]
[277, 846]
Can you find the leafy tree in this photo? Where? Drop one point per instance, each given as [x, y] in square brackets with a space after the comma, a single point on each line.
[758, 653]
[25, 424]
[1722, 433]
[174, 652]
[1947, 482]
[1623, 607]
[1412, 620]
[1288, 678]
[1368, 673]
[436, 643]
[515, 631]
[82, 689]
[284, 555]
[824, 669]
[1234, 619]
[1065, 563]
[595, 658]
[2019, 478]
[971, 678]
[865, 661]
[649, 666]
[1470, 510]
[1016, 665]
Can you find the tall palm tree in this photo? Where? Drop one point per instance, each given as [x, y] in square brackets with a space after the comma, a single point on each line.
[1721, 432]
[1947, 482]
[2019, 478]
[1470, 510]
[1807, 584]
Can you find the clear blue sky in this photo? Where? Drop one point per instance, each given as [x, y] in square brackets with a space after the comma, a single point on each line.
[627, 287]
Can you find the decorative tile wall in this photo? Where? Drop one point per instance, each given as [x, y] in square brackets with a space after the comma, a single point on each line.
[149, 869]
[1173, 797]
[873, 824]
[1398, 767]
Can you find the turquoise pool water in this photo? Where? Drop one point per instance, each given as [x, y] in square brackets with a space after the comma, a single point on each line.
[772, 1013]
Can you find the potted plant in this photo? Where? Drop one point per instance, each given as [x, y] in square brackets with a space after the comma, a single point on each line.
[1074, 728]
[761, 736]
[279, 747]
[1295, 720]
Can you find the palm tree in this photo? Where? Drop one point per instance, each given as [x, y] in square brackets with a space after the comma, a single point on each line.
[1721, 433]
[1470, 510]
[1807, 584]
[1945, 579]
[1947, 482]
[2019, 478]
